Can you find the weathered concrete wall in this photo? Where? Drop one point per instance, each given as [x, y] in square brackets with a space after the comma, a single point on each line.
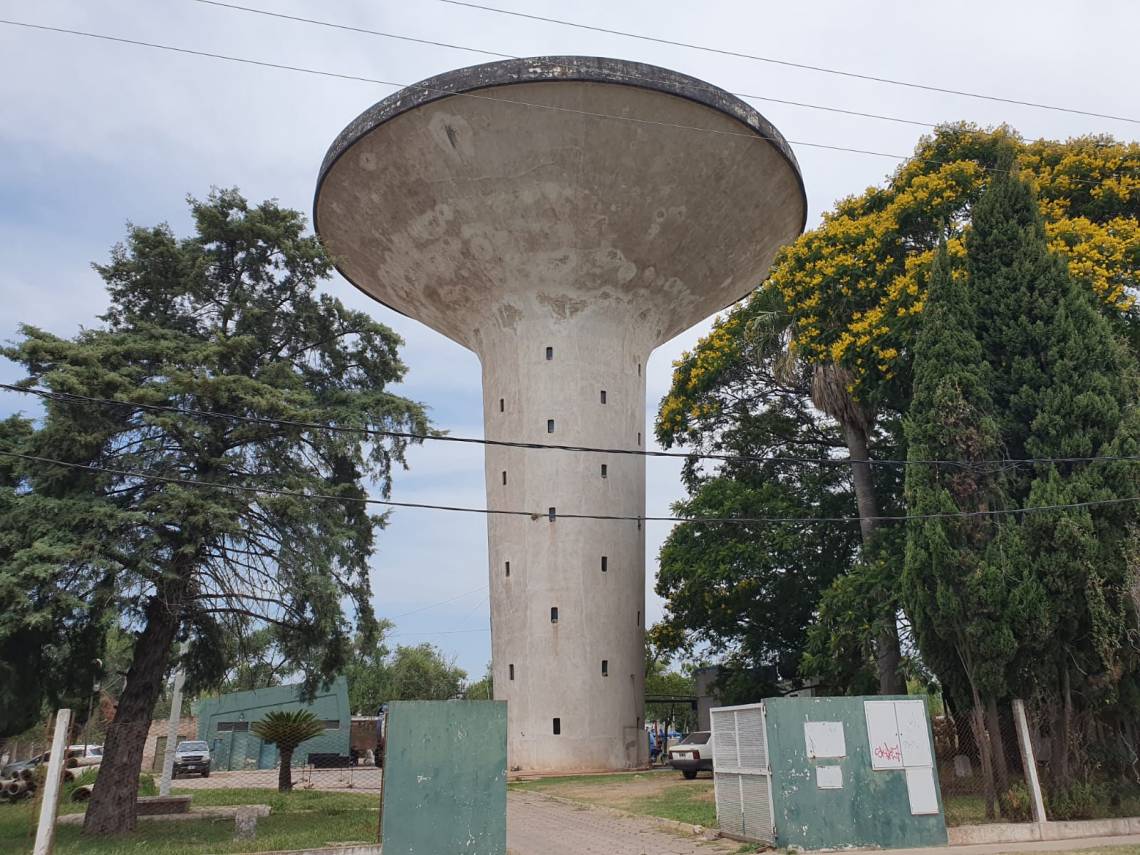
[501, 207]
[872, 809]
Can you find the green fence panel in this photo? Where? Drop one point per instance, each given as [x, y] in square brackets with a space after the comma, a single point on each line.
[445, 778]
[849, 803]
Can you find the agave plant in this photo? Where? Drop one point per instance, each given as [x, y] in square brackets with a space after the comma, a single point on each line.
[287, 730]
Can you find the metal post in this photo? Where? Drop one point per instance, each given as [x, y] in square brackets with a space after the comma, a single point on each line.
[1029, 762]
[172, 729]
[45, 833]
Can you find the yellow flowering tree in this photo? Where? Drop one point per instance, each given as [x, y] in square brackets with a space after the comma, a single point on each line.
[846, 299]
[853, 288]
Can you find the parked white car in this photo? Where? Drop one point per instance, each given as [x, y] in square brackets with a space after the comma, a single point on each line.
[693, 754]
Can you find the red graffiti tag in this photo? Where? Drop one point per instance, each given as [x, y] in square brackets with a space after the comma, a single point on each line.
[888, 752]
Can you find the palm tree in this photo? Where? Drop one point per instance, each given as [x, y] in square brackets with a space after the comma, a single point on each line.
[831, 386]
[287, 730]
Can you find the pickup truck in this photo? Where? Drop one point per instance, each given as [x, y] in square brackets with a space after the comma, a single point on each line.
[192, 756]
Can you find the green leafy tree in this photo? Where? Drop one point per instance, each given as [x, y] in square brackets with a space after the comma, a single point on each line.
[482, 689]
[960, 571]
[1064, 386]
[750, 591]
[287, 729]
[180, 516]
[409, 673]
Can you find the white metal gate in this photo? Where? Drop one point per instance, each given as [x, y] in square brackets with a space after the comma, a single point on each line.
[741, 775]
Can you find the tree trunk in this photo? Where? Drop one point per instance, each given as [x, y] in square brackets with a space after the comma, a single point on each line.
[888, 655]
[113, 807]
[285, 772]
[997, 746]
[985, 754]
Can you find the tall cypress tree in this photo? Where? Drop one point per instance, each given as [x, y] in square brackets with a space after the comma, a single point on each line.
[957, 580]
[1063, 386]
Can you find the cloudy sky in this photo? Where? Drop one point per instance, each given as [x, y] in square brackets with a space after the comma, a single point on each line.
[94, 134]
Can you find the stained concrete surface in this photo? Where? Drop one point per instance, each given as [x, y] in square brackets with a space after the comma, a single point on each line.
[562, 217]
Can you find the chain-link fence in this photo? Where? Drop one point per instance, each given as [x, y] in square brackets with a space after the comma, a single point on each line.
[980, 768]
[1088, 766]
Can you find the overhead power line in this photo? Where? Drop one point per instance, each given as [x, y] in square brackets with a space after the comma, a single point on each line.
[440, 603]
[552, 515]
[452, 46]
[910, 84]
[543, 446]
[447, 93]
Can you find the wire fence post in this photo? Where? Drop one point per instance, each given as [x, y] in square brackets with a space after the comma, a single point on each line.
[45, 832]
[172, 722]
[1029, 762]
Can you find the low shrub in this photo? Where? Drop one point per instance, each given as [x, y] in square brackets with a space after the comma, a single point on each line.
[1015, 803]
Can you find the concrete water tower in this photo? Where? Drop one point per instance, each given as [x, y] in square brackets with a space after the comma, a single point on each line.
[561, 217]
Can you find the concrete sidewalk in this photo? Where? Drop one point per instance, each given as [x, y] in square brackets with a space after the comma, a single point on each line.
[1070, 845]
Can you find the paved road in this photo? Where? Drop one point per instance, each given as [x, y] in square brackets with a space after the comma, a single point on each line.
[541, 826]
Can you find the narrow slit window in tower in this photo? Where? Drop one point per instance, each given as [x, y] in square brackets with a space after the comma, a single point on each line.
[507, 565]
[550, 426]
[603, 396]
[605, 564]
[511, 670]
[604, 470]
[554, 614]
[550, 353]
[605, 667]
[558, 726]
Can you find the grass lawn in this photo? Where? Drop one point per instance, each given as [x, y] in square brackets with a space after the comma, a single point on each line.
[664, 794]
[303, 818]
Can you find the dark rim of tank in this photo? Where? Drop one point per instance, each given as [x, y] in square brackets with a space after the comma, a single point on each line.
[554, 69]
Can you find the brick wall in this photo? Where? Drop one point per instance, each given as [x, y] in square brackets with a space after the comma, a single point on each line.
[187, 729]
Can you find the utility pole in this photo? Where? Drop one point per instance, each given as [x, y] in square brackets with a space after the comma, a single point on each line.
[172, 726]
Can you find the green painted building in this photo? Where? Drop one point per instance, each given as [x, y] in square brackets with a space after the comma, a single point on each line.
[828, 773]
[225, 722]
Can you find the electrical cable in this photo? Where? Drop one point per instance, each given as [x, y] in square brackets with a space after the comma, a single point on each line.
[541, 446]
[789, 64]
[452, 46]
[552, 515]
[753, 136]
[440, 603]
